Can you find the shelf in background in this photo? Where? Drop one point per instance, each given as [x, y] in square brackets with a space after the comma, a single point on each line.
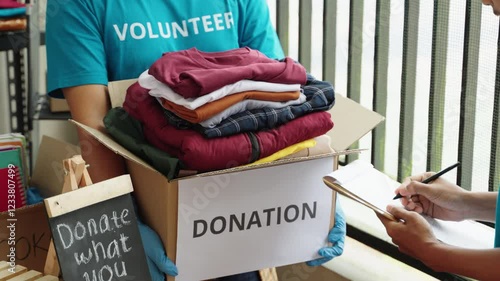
[13, 40]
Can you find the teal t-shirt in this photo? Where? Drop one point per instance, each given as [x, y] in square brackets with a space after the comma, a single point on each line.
[96, 41]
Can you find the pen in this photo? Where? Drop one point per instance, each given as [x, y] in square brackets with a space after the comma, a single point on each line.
[434, 177]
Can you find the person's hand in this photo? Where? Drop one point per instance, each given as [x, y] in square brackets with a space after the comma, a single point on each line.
[158, 262]
[439, 199]
[413, 234]
[336, 237]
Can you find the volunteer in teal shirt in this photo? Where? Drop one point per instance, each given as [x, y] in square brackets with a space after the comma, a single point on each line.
[91, 42]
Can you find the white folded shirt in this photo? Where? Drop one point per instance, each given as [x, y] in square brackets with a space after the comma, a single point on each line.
[161, 90]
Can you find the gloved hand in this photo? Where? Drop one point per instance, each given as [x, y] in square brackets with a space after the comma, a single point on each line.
[336, 237]
[33, 195]
[158, 262]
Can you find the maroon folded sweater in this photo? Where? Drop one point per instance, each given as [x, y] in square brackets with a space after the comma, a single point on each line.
[7, 4]
[202, 154]
[192, 73]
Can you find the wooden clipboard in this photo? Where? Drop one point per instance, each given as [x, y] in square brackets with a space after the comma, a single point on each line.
[333, 184]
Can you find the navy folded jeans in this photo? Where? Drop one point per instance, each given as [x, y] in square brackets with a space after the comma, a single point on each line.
[249, 276]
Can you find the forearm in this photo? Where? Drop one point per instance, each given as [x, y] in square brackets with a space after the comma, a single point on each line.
[477, 264]
[103, 163]
[481, 206]
[88, 105]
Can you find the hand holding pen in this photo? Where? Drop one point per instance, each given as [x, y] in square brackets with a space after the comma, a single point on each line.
[434, 177]
[430, 194]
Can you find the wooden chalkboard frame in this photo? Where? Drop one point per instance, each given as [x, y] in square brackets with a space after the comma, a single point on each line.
[76, 209]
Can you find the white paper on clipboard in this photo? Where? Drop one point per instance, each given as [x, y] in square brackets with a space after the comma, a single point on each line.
[337, 186]
[365, 182]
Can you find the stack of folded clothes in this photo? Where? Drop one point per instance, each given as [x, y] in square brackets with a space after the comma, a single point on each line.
[12, 15]
[218, 110]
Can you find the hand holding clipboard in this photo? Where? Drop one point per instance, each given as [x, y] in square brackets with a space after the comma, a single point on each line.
[335, 185]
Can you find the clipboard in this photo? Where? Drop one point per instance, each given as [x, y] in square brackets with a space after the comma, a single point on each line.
[334, 184]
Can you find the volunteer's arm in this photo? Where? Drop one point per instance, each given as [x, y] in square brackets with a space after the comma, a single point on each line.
[415, 238]
[88, 105]
[478, 264]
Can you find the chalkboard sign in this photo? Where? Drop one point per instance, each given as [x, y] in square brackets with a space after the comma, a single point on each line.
[95, 233]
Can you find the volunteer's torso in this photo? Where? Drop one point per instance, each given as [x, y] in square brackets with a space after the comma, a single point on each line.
[133, 34]
[146, 29]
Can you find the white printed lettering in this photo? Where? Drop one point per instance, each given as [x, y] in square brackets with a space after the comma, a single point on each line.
[182, 30]
[218, 22]
[194, 22]
[176, 29]
[122, 35]
[207, 23]
[150, 31]
[167, 28]
[229, 19]
[133, 31]
[256, 219]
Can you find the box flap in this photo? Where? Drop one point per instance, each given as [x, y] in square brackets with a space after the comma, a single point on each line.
[261, 165]
[352, 121]
[113, 145]
[117, 91]
[117, 148]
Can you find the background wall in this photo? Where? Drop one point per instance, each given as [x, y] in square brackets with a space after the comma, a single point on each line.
[4, 106]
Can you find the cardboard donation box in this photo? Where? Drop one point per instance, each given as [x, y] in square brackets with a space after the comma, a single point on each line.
[245, 218]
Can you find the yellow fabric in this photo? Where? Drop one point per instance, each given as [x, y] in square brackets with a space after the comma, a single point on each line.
[286, 151]
[268, 274]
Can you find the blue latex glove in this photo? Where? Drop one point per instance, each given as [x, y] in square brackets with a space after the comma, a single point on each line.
[158, 262]
[33, 195]
[336, 237]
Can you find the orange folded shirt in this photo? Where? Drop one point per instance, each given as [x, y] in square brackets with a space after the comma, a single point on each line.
[210, 109]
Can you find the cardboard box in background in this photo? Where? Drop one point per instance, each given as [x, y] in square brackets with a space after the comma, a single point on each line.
[54, 125]
[32, 231]
[48, 174]
[31, 235]
[58, 105]
[158, 198]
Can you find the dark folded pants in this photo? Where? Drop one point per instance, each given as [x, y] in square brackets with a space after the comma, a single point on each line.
[249, 276]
